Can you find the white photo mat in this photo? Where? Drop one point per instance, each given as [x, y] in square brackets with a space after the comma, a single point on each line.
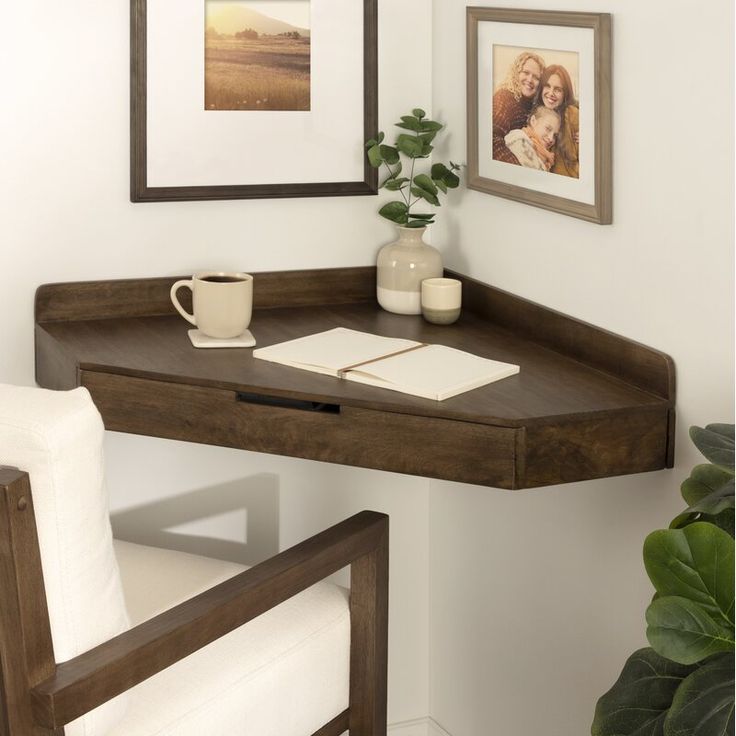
[538, 38]
[190, 146]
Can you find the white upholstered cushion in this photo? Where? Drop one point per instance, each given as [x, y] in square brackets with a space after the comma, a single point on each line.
[56, 436]
[283, 674]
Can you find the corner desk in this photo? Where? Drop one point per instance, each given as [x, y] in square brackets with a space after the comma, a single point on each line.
[586, 404]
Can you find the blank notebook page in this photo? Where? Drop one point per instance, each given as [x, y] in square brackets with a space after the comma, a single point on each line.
[435, 369]
[333, 349]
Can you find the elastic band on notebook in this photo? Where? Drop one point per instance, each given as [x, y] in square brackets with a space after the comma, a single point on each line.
[342, 371]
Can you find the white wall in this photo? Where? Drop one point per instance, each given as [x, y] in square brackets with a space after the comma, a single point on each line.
[538, 597]
[66, 215]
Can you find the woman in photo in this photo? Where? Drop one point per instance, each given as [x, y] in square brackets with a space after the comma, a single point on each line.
[556, 93]
[512, 101]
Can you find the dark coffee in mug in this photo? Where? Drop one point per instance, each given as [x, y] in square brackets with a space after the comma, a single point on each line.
[222, 279]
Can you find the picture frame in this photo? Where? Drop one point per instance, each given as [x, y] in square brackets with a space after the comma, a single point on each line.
[521, 61]
[181, 151]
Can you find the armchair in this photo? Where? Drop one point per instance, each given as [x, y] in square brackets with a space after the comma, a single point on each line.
[103, 638]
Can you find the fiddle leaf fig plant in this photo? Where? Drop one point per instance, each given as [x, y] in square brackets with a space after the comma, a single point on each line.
[683, 684]
[414, 188]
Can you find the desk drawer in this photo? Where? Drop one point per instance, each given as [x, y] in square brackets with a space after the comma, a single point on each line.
[401, 443]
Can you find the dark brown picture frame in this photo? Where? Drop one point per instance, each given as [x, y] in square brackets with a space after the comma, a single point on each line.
[141, 192]
[600, 211]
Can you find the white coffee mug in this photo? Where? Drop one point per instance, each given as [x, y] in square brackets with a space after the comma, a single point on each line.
[222, 302]
[441, 300]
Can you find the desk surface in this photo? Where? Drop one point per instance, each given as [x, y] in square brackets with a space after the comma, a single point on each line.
[585, 403]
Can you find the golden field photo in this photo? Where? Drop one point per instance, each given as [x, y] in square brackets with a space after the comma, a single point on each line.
[257, 55]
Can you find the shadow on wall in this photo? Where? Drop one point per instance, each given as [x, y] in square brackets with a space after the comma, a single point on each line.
[236, 521]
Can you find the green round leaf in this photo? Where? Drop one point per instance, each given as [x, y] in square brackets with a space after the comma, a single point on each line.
[685, 632]
[409, 122]
[704, 480]
[696, 563]
[374, 156]
[703, 704]
[409, 145]
[390, 154]
[639, 701]
[423, 181]
[424, 194]
[417, 112]
[727, 430]
[720, 500]
[394, 211]
[395, 185]
[441, 172]
[716, 442]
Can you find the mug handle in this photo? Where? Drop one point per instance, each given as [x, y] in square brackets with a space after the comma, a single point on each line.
[175, 301]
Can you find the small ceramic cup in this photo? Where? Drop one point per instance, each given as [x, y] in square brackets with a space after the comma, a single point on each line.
[441, 300]
[223, 302]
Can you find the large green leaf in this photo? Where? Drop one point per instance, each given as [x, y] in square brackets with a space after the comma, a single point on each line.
[410, 145]
[695, 563]
[394, 185]
[424, 194]
[703, 704]
[430, 125]
[409, 122]
[394, 211]
[390, 154]
[639, 700]
[442, 173]
[704, 480]
[724, 521]
[716, 442]
[718, 501]
[685, 632]
[375, 158]
[424, 182]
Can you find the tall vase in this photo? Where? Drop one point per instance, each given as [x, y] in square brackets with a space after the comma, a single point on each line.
[401, 268]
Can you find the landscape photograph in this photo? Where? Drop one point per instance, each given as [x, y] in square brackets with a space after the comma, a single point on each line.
[257, 55]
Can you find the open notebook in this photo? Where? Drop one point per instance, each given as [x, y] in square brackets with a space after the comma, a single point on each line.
[431, 371]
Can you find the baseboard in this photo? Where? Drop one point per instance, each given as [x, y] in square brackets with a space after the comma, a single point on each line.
[417, 727]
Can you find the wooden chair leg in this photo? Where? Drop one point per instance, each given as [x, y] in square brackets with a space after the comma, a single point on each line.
[28, 655]
[369, 641]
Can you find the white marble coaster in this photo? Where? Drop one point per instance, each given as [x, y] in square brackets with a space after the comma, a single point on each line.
[199, 340]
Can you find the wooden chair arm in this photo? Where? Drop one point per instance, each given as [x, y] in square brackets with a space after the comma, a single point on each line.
[92, 678]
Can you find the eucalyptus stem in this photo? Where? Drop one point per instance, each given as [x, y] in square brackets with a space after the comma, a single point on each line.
[409, 203]
[428, 186]
[401, 192]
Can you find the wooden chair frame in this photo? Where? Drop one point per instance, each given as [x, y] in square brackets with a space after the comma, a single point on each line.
[38, 696]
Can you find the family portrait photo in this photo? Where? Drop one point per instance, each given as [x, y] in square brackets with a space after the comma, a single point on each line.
[539, 108]
[536, 109]
[257, 55]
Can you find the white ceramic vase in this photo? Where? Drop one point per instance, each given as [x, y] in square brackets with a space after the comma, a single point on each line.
[401, 267]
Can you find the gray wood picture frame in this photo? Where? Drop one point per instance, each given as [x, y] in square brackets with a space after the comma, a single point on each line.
[600, 211]
[141, 192]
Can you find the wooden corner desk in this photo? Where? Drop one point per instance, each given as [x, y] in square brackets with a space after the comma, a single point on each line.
[586, 404]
